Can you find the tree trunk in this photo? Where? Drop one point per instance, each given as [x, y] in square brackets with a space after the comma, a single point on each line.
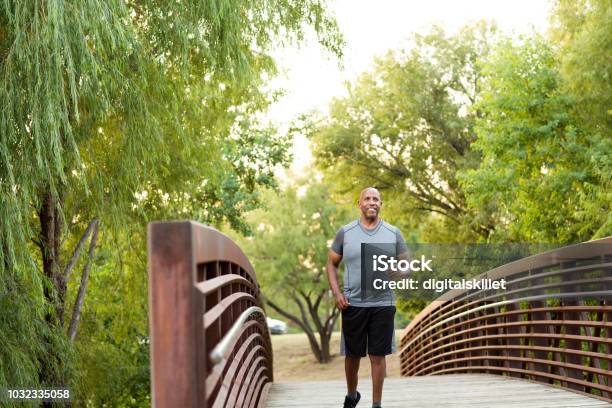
[78, 303]
[52, 366]
[50, 233]
[325, 354]
[326, 333]
[321, 348]
[314, 345]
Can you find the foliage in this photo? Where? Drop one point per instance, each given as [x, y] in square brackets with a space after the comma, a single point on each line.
[407, 127]
[540, 174]
[289, 250]
[478, 138]
[113, 345]
[583, 32]
[100, 102]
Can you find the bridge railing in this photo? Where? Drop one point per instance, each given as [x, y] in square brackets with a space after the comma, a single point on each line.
[210, 344]
[553, 324]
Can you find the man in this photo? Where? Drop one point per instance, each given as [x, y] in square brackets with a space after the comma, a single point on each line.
[367, 324]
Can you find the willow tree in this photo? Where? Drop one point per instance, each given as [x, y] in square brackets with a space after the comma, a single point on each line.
[101, 101]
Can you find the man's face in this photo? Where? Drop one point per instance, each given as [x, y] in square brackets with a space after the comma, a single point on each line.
[370, 203]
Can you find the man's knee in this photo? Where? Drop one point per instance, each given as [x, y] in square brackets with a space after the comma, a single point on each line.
[377, 360]
[352, 362]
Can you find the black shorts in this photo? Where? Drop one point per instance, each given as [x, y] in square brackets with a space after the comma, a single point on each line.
[368, 329]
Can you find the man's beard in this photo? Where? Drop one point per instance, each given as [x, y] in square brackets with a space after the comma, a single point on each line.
[371, 217]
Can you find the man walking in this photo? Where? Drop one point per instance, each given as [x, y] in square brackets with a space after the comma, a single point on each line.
[367, 323]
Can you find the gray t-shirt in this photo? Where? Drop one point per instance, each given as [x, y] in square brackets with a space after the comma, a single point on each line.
[348, 244]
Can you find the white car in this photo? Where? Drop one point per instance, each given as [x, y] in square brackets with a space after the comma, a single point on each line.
[276, 326]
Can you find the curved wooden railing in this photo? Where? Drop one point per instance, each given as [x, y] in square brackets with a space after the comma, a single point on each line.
[553, 324]
[210, 345]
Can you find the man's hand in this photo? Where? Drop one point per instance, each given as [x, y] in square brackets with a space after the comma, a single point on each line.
[333, 260]
[341, 302]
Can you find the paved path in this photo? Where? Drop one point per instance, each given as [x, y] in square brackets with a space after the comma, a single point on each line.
[456, 391]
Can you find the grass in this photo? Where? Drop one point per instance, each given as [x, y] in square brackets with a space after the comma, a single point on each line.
[294, 361]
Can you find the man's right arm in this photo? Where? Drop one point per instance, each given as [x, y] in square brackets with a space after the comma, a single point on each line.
[333, 260]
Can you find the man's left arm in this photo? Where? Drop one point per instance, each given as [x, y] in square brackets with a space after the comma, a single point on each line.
[401, 251]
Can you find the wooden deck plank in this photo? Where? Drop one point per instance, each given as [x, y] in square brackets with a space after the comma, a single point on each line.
[457, 391]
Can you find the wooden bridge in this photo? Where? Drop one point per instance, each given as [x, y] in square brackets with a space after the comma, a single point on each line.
[545, 341]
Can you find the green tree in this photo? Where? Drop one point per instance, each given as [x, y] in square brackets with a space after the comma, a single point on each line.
[407, 128]
[101, 101]
[543, 176]
[583, 31]
[289, 251]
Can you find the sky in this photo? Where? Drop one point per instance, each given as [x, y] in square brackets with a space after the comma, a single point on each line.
[311, 77]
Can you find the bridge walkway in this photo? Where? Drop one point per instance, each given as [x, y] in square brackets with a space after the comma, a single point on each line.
[452, 391]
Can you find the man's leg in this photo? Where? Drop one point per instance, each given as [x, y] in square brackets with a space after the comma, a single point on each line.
[354, 343]
[380, 340]
[351, 368]
[379, 371]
